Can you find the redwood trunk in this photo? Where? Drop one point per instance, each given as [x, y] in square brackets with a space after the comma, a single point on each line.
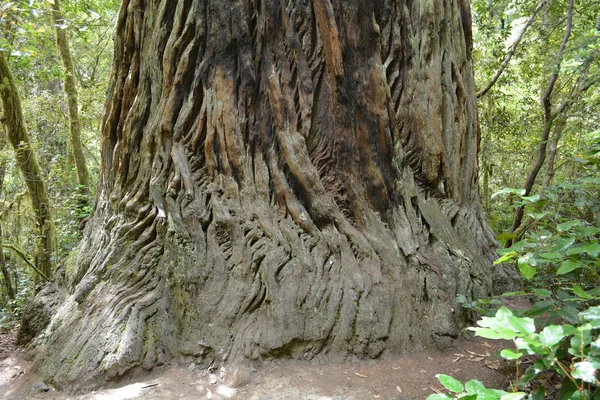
[280, 179]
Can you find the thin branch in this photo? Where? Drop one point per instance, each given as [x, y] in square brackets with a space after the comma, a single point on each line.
[24, 257]
[512, 50]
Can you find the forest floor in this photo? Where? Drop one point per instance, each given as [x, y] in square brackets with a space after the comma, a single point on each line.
[411, 377]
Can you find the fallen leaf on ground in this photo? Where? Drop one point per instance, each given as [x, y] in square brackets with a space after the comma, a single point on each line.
[493, 364]
[476, 359]
[398, 389]
[361, 375]
[477, 354]
[456, 359]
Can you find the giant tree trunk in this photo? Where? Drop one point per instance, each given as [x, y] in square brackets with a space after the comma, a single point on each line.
[279, 179]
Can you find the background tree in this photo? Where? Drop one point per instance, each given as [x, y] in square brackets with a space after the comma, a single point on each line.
[62, 43]
[278, 181]
[12, 119]
[541, 107]
[38, 73]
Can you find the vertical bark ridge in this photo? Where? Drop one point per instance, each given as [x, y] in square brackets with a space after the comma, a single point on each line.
[281, 179]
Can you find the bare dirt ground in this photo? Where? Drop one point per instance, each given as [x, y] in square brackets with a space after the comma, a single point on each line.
[411, 377]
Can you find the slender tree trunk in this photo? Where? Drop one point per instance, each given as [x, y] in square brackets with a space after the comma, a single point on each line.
[549, 116]
[553, 150]
[12, 118]
[62, 43]
[280, 179]
[5, 273]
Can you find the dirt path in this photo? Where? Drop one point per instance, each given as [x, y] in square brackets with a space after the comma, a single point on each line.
[408, 378]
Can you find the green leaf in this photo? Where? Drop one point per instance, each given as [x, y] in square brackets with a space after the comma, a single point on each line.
[513, 396]
[555, 255]
[539, 308]
[591, 314]
[552, 335]
[506, 258]
[579, 292]
[450, 383]
[439, 396]
[586, 371]
[569, 266]
[542, 292]
[523, 325]
[532, 372]
[538, 216]
[593, 249]
[565, 226]
[504, 334]
[539, 393]
[563, 243]
[508, 354]
[477, 388]
[519, 192]
[526, 270]
[532, 199]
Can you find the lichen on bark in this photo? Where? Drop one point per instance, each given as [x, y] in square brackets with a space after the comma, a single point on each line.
[280, 179]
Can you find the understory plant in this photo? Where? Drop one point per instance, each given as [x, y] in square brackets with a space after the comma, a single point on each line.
[557, 254]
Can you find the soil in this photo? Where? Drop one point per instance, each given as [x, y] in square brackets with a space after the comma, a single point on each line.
[411, 377]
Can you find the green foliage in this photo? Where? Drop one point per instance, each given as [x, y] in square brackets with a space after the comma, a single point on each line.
[472, 390]
[559, 258]
[28, 36]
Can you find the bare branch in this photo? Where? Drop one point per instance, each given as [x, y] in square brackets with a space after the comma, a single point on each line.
[24, 257]
[512, 50]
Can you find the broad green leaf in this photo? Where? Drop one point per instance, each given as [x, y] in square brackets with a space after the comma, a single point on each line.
[568, 391]
[586, 371]
[592, 315]
[477, 388]
[587, 231]
[450, 383]
[542, 292]
[568, 313]
[595, 347]
[569, 266]
[532, 199]
[532, 372]
[519, 192]
[579, 292]
[539, 308]
[581, 339]
[523, 325]
[526, 270]
[563, 243]
[593, 249]
[488, 333]
[439, 396]
[514, 396]
[552, 335]
[555, 255]
[538, 216]
[508, 354]
[506, 258]
[539, 393]
[565, 226]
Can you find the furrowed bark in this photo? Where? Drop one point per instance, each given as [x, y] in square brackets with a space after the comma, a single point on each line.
[283, 179]
[12, 118]
[62, 43]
